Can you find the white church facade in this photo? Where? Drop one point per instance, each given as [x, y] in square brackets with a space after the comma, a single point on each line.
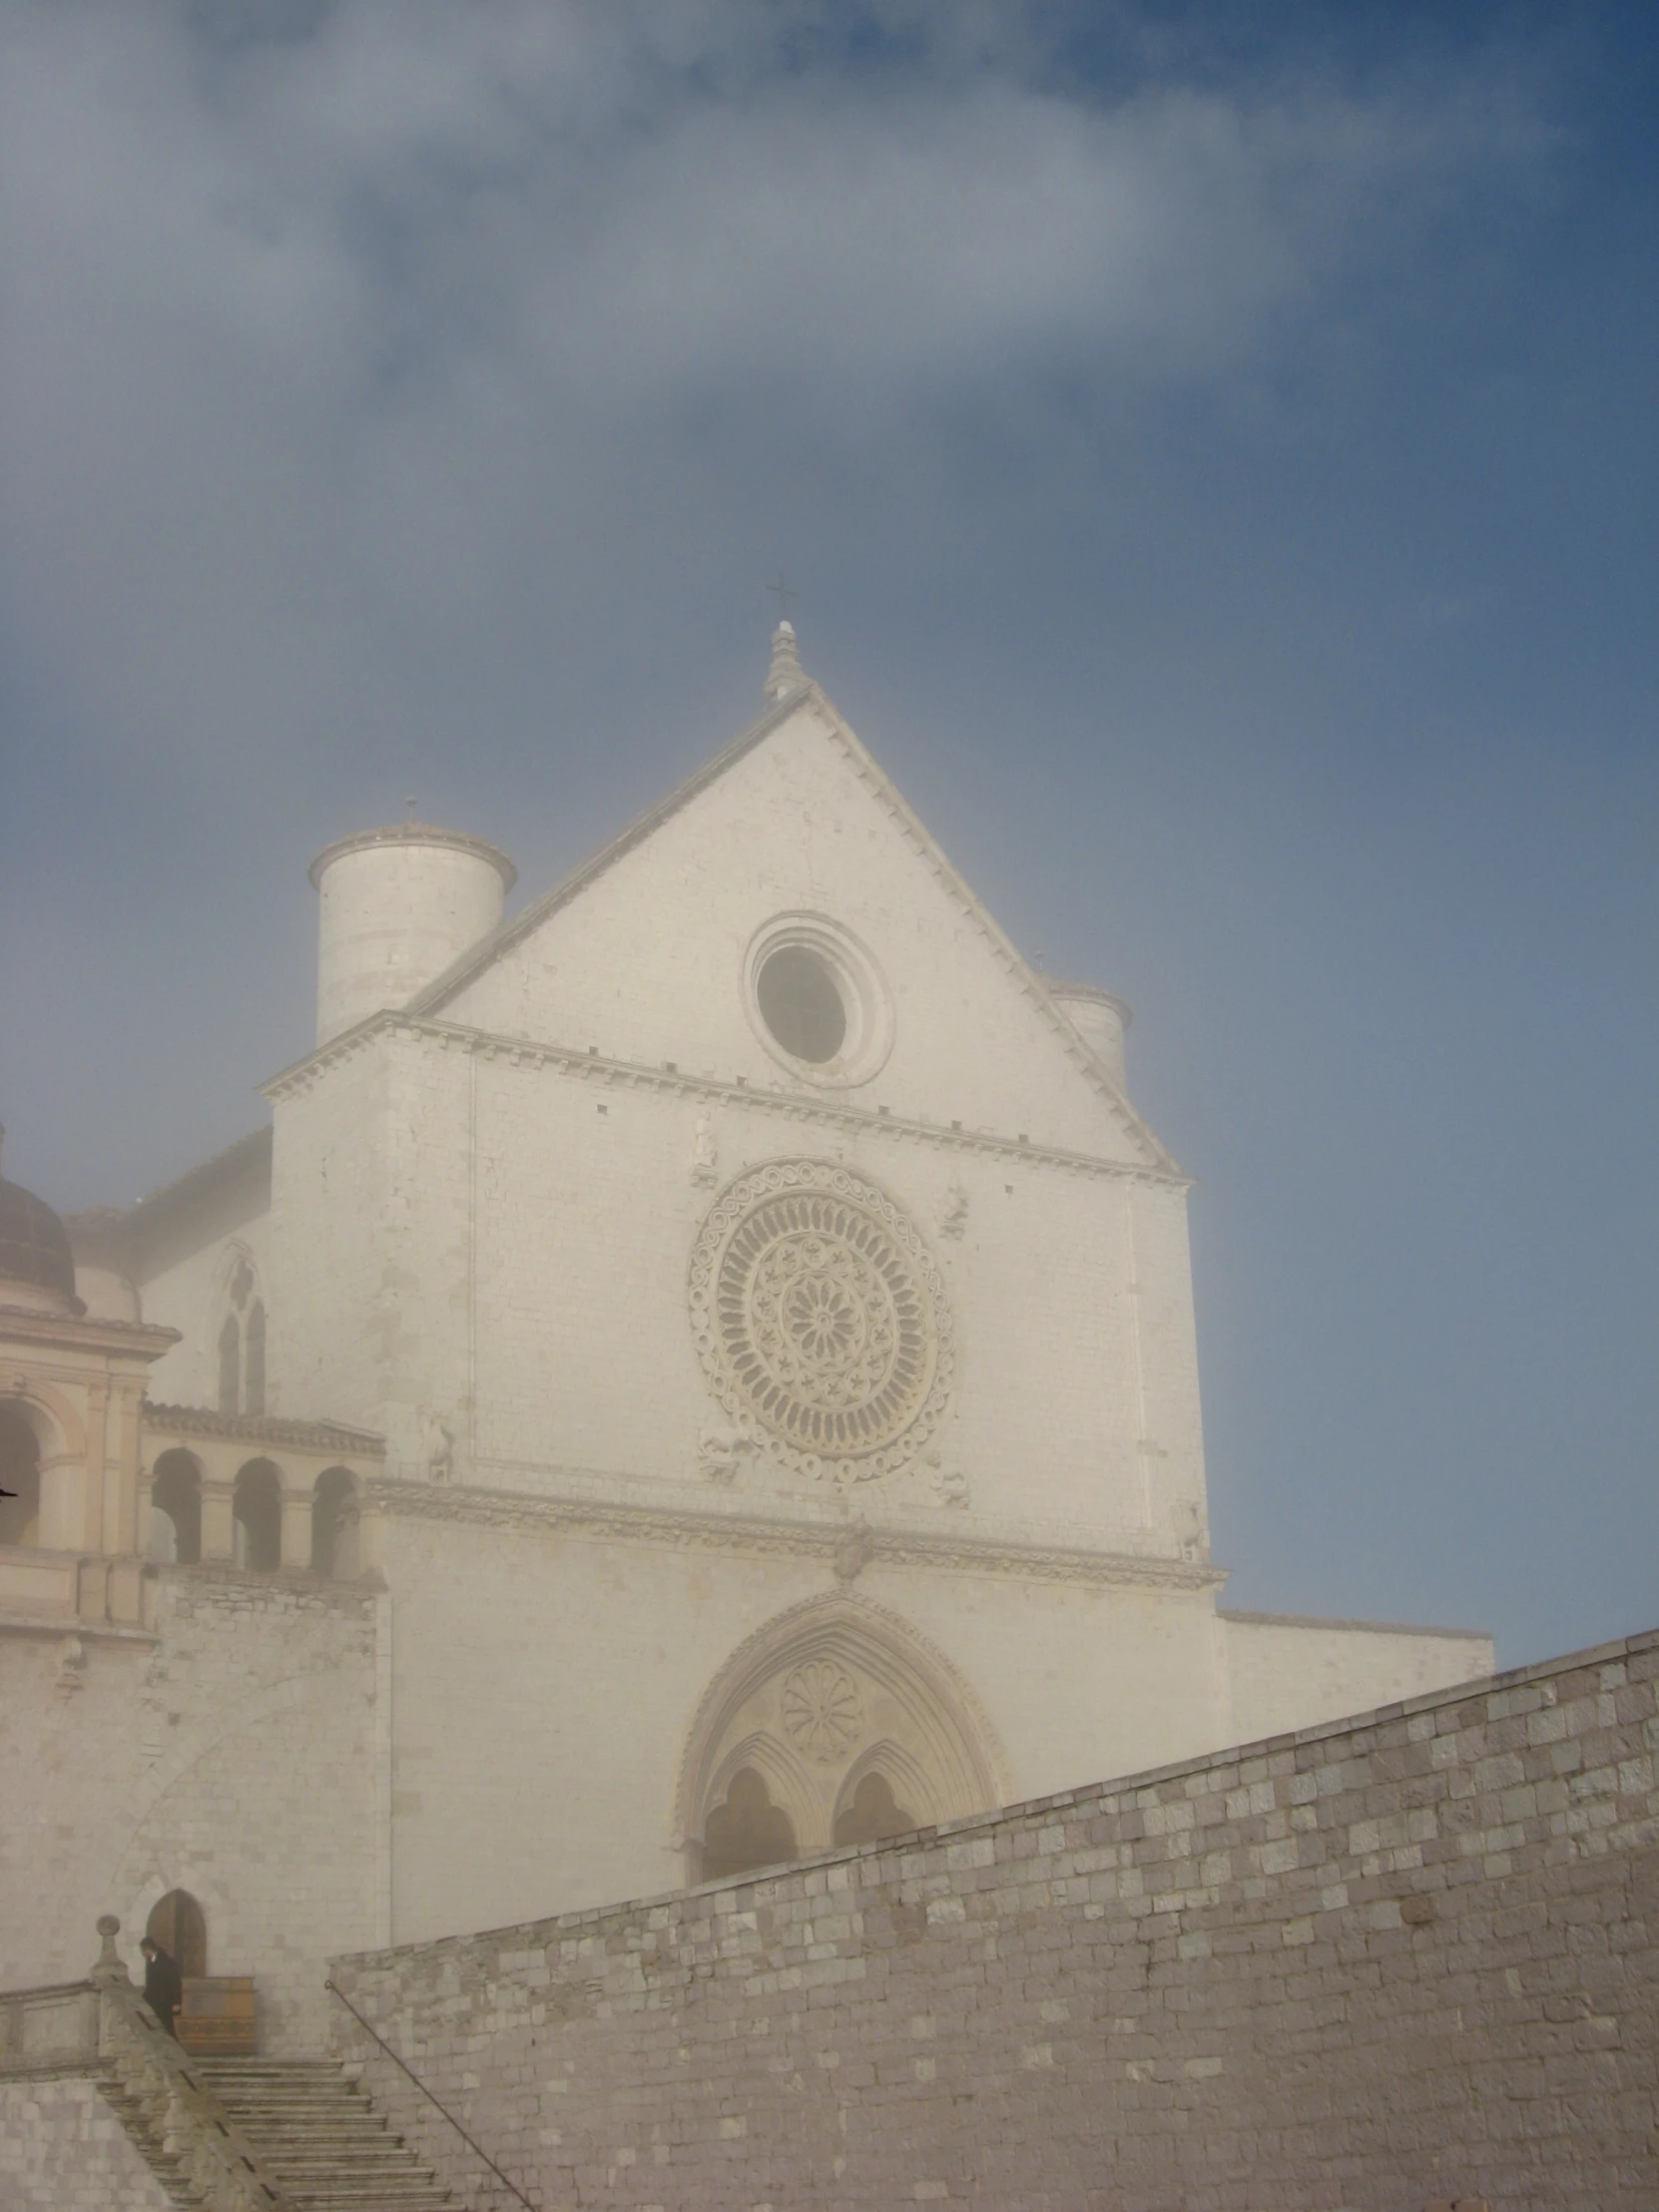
[694, 1373]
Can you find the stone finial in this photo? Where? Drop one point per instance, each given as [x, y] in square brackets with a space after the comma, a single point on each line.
[110, 1966]
[785, 674]
[853, 1553]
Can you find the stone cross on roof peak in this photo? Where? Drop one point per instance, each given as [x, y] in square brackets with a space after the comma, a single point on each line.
[785, 674]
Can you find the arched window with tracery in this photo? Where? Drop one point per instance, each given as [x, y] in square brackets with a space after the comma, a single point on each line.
[872, 1813]
[257, 1518]
[241, 1334]
[253, 1391]
[180, 1926]
[230, 1366]
[176, 1510]
[335, 1522]
[746, 1829]
[20, 1475]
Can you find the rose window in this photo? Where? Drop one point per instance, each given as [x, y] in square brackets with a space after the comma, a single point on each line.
[821, 1710]
[821, 1320]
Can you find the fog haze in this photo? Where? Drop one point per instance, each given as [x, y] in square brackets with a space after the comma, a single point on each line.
[1215, 452]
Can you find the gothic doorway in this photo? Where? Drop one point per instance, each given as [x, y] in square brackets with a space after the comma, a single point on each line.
[180, 1926]
[835, 1725]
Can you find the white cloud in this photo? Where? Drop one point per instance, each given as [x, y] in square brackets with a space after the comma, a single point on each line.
[315, 336]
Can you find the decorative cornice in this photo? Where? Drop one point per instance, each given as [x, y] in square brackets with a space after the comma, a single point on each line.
[70, 1333]
[594, 1067]
[321, 1435]
[1358, 1629]
[414, 832]
[72, 1624]
[758, 1533]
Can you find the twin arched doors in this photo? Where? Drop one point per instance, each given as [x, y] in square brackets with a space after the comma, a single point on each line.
[835, 1725]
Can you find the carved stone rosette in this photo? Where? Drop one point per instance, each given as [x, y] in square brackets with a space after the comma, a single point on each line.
[821, 1320]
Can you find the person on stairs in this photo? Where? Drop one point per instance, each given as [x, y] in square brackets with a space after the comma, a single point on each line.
[164, 1990]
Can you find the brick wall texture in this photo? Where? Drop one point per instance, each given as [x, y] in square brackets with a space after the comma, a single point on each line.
[1408, 1958]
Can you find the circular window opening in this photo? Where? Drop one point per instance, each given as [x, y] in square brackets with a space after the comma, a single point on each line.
[801, 1003]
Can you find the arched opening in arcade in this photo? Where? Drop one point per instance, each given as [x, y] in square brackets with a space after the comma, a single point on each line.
[176, 1510]
[257, 1518]
[336, 1521]
[229, 1364]
[253, 1371]
[20, 1476]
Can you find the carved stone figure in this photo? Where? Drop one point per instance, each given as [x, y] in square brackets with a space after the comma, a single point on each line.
[854, 1553]
[705, 1155]
[722, 1453]
[1188, 1528]
[950, 1487]
[950, 1211]
[437, 1446]
[72, 1666]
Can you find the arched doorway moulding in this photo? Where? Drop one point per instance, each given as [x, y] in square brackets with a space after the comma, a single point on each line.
[61, 1438]
[916, 1720]
[58, 1428]
[897, 1766]
[132, 1903]
[788, 1785]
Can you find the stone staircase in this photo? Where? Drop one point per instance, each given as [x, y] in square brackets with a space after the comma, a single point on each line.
[144, 2132]
[320, 2138]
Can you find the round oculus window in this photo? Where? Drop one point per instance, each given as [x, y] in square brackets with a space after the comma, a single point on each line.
[818, 1001]
[801, 1003]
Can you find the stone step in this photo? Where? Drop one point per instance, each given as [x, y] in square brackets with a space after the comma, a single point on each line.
[308, 2123]
[315, 2131]
[403, 2195]
[344, 2164]
[345, 2119]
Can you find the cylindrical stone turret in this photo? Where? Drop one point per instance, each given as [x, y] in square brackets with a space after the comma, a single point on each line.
[1102, 1018]
[396, 908]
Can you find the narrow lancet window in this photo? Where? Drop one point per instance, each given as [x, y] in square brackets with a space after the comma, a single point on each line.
[252, 1397]
[230, 1366]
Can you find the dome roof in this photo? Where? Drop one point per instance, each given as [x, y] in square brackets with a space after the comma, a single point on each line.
[34, 1246]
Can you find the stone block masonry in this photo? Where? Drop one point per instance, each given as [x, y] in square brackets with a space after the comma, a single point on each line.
[62, 2149]
[1405, 1959]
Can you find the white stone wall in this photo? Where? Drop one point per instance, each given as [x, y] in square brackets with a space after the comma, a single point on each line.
[515, 1262]
[235, 1755]
[335, 1294]
[1291, 1673]
[545, 1685]
[646, 962]
[62, 2149]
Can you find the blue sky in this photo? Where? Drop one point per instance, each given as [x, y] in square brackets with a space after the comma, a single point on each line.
[1216, 449]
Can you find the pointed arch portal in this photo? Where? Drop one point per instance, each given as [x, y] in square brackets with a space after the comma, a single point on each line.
[836, 1724]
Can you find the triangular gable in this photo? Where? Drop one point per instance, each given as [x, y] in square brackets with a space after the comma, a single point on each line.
[440, 995]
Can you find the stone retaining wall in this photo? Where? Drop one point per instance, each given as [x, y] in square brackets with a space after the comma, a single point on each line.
[1406, 1958]
[62, 2150]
